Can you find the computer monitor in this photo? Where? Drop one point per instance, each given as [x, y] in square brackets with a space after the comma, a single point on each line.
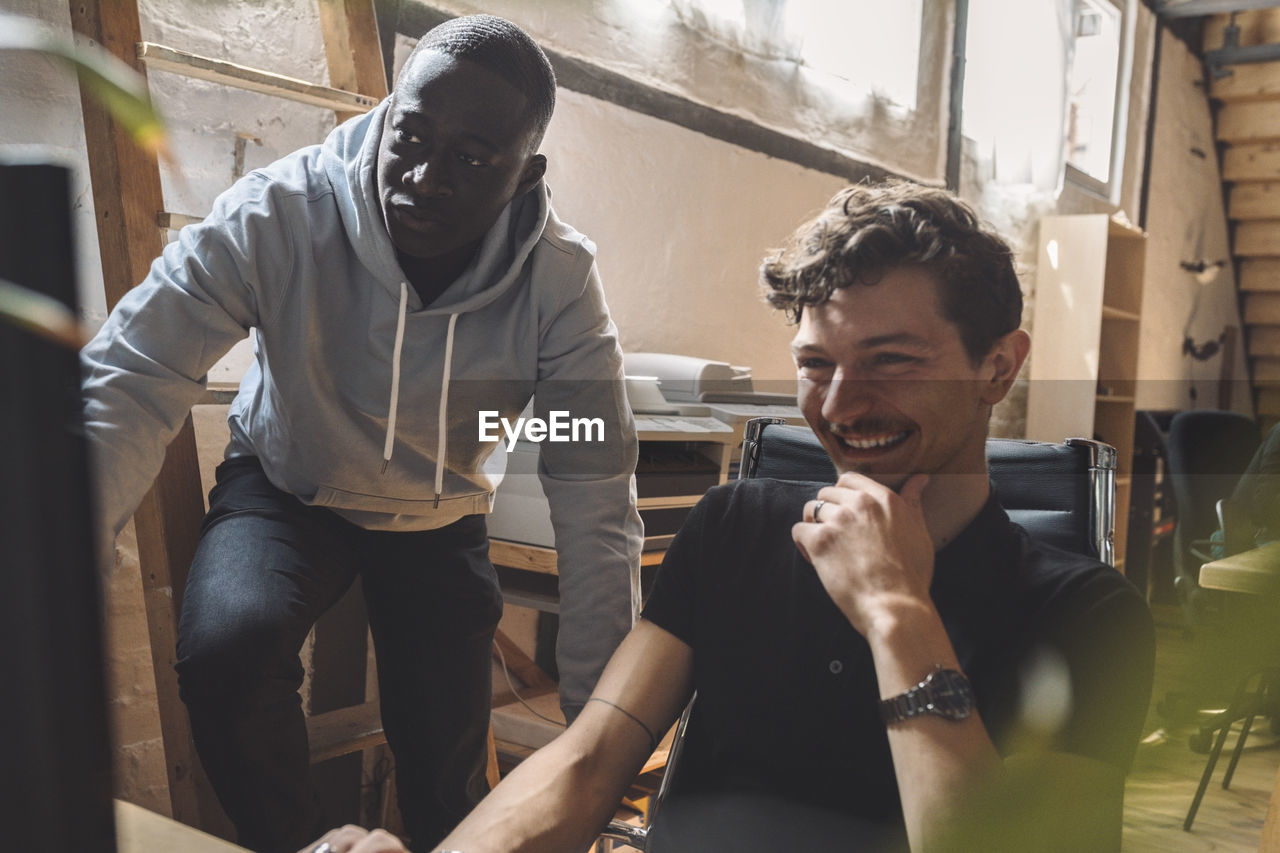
[55, 791]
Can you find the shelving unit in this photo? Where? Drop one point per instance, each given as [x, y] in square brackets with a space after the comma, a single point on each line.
[1084, 340]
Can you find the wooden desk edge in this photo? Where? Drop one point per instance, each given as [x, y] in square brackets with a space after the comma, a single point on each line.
[141, 831]
[1256, 571]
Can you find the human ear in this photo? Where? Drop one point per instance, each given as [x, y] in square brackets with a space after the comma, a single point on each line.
[533, 172]
[1001, 365]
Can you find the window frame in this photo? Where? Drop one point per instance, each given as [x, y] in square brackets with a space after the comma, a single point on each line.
[1110, 188]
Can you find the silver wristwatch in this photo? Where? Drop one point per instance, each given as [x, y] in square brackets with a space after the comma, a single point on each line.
[944, 692]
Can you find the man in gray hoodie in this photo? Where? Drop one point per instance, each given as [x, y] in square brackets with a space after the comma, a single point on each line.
[402, 278]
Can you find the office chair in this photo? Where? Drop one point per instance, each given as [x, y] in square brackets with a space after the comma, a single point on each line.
[1257, 694]
[1063, 494]
[1207, 453]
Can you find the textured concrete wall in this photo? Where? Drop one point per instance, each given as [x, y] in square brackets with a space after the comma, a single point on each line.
[651, 43]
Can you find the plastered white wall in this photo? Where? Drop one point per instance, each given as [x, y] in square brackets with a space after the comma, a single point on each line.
[682, 222]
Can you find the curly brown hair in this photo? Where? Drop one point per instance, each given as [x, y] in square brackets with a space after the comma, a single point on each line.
[868, 229]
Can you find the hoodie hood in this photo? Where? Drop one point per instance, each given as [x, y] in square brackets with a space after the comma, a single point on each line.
[350, 156]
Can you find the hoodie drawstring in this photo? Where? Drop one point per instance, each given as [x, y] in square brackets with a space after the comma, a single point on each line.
[443, 446]
[395, 378]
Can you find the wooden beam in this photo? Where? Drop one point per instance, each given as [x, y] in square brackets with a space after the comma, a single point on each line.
[127, 196]
[1257, 26]
[1266, 371]
[242, 77]
[353, 49]
[1256, 162]
[1260, 274]
[1249, 122]
[520, 664]
[344, 731]
[1262, 309]
[1252, 81]
[1254, 200]
[1264, 341]
[1268, 405]
[1259, 238]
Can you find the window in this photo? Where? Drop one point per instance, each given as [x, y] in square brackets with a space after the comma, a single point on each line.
[1095, 95]
[871, 46]
[1045, 92]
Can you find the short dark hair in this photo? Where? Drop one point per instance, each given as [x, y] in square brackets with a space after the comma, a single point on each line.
[505, 49]
[870, 229]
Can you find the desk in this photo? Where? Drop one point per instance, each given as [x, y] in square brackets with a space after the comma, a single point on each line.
[1256, 571]
[141, 831]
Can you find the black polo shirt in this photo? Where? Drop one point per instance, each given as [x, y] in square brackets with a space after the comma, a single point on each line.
[1059, 648]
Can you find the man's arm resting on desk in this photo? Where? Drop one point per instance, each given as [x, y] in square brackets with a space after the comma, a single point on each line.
[562, 796]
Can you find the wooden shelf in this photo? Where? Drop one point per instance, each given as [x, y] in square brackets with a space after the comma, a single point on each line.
[1088, 304]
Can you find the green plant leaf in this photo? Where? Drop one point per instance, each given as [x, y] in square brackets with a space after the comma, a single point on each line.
[41, 314]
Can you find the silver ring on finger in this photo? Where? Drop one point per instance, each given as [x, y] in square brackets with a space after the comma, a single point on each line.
[324, 847]
[817, 508]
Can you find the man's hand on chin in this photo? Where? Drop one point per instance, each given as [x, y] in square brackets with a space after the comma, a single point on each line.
[870, 546]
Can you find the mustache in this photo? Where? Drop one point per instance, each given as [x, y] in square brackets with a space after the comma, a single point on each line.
[868, 426]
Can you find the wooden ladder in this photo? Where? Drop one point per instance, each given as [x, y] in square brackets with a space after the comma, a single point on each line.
[130, 220]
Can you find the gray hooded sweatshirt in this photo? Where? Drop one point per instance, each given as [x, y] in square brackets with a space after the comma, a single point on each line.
[362, 400]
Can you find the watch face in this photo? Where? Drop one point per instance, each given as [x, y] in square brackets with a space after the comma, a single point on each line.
[950, 694]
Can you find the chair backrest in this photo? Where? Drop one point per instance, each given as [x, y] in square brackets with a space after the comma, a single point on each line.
[1207, 451]
[1063, 494]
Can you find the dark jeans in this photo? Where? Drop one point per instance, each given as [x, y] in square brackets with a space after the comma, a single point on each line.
[266, 568]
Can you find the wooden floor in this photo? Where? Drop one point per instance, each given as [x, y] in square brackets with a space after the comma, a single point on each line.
[1166, 771]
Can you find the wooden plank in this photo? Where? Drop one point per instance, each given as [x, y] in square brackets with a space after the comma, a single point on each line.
[340, 652]
[1260, 274]
[344, 731]
[1254, 200]
[352, 48]
[252, 79]
[1268, 403]
[1257, 26]
[1264, 341]
[530, 558]
[1257, 238]
[127, 196]
[1266, 371]
[1254, 81]
[1249, 122]
[520, 664]
[1251, 162]
[1262, 308]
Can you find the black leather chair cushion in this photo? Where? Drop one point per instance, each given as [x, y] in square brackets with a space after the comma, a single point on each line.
[1044, 487]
